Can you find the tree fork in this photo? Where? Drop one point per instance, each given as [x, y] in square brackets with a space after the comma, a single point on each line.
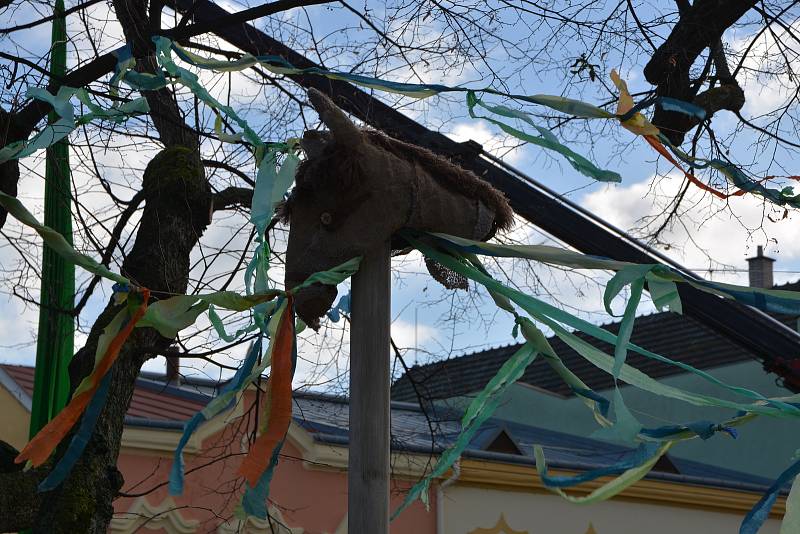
[178, 200]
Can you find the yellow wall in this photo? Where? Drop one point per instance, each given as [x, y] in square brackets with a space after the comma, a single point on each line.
[14, 420]
[467, 510]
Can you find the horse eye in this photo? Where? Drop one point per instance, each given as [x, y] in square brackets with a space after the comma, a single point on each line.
[326, 218]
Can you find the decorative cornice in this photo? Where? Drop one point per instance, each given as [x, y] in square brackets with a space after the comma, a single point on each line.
[161, 440]
[502, 527]
[498, 475]
[253, 525]
[322, 456]
[326, 457]
[164, 516]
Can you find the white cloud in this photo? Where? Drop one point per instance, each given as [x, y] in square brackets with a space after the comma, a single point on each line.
[408, 335]
[706, 234]
[767, 52]
[502, 146]
[17, 331]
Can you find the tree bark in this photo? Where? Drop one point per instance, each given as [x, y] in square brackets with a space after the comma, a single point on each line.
[178, 203]
[9, 171]
[700, 26]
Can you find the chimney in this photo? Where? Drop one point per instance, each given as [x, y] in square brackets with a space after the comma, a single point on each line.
[173, 369]
[760, 270]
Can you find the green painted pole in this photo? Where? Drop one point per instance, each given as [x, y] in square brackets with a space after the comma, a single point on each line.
[55, 340]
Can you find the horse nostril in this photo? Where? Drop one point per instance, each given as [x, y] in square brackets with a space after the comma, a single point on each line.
[313, 302]
[326, 218]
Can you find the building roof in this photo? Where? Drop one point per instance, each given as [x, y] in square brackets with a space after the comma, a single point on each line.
[152, 400]
[326, 418]
[679, 337]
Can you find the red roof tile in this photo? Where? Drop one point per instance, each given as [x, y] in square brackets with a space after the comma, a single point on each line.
[149, 401]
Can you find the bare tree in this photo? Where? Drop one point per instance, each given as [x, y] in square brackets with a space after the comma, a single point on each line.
[162, 179]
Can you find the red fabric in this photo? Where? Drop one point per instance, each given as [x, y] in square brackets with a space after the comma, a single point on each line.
[258, 458]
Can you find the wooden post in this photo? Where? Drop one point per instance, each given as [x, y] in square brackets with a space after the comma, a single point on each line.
[368, 469]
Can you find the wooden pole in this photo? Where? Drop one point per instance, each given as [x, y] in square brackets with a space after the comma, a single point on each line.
[368, 469]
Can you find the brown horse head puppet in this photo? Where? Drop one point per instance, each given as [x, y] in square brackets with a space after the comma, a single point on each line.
[357, 187]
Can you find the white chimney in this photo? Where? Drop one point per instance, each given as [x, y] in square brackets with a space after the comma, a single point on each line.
[760, 270]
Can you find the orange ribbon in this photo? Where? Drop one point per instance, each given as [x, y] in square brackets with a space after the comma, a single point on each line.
[42, 445]
[280, 400]
[661, 149]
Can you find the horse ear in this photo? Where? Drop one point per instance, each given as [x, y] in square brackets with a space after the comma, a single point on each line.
[314, 142]
[344, 131]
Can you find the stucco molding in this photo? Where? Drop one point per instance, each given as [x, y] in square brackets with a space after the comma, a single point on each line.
[324, 456]
[253, 525]
[501, 476]
[501, 527]
[164, 516]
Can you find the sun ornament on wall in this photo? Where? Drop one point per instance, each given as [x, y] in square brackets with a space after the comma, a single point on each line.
[502, 527]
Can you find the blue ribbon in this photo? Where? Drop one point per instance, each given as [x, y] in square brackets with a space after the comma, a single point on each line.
[254, 500]
[343, 306]
[758, 514]
[643, 453]
[703, 429]
[602, 402]
[80, 439]
[236, 383]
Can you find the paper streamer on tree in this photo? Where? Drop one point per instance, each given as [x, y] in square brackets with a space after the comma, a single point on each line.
[771, 300]
[643, 453]
[79, 441]
[55, 240]
[220, 403]
[627, 113]
[66, 123]
[551, 313]
[479, 410]
[172, 315]
[262, 450]
[545, 139]
[755, 518]
[625, 426]
[38, 449]
[609, 489]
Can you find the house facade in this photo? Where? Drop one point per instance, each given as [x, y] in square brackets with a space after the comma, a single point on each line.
[493, 489]
[763, 448]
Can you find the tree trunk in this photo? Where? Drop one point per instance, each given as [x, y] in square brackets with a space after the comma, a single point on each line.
[177, 211]
[9, 171]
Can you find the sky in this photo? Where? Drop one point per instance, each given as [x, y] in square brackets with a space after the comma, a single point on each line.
[431, 323]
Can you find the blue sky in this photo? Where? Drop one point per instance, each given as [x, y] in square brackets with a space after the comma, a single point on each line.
[441, 324]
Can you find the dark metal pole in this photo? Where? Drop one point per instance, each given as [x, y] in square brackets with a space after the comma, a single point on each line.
[750, 328]
[368, 469]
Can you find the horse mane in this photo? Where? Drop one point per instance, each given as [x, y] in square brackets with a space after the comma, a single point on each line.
[449, 175]
[342, 166]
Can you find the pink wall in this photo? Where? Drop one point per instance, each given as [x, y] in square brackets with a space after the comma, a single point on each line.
[311, 498]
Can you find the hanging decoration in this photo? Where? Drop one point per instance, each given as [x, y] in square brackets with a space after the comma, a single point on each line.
[272, 309]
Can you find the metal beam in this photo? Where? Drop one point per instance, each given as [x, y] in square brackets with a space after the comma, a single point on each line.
[756, 331]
